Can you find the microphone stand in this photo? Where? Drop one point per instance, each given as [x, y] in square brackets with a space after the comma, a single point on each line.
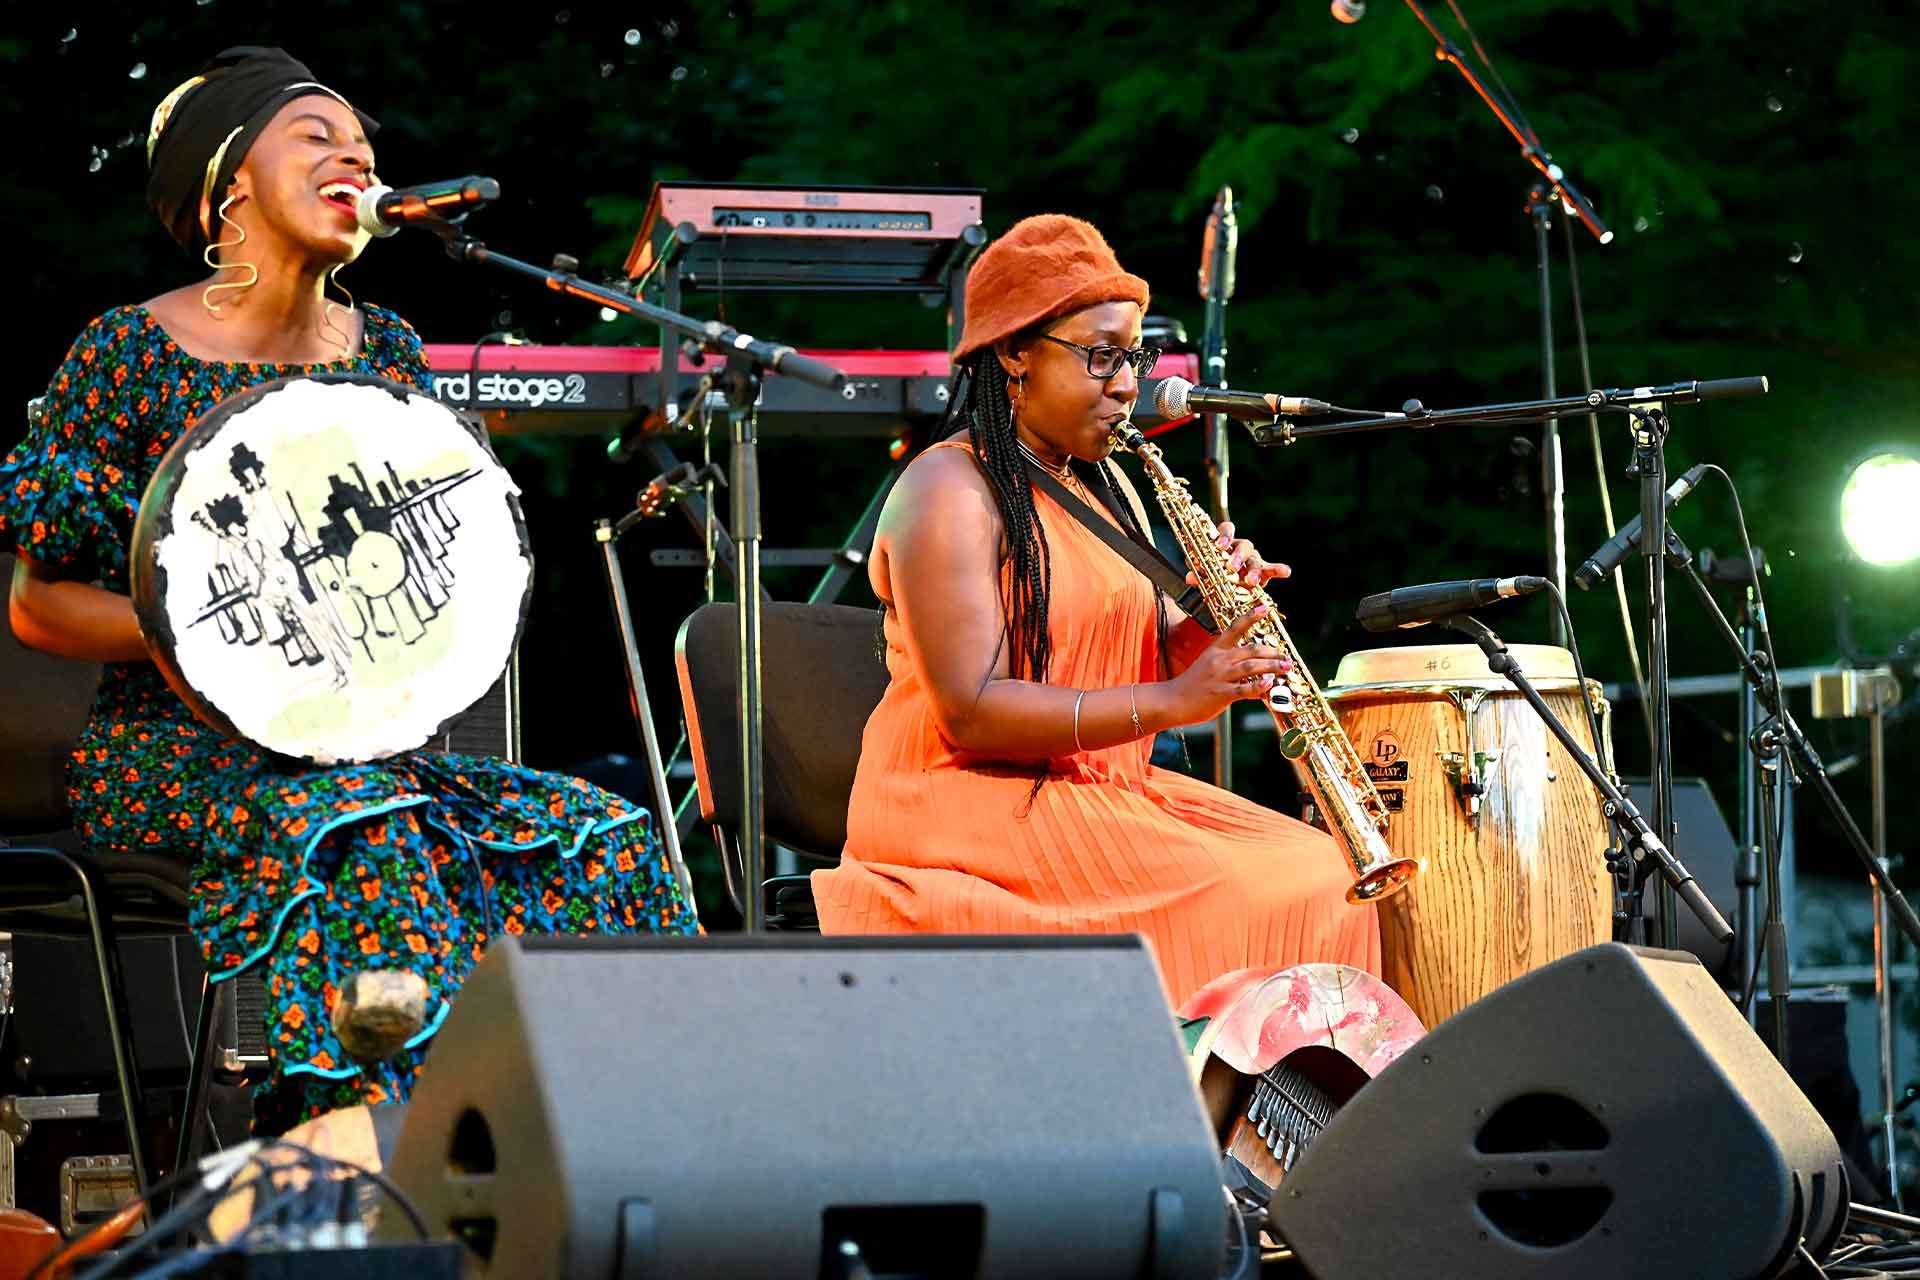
[1550, 185]
[1647, 405]
[748, 358]
[1779, 730]
[1644, 846]
[1649, 463]
[1216, 286]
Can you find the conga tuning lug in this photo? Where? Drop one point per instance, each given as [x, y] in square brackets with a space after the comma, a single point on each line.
[1469, 784]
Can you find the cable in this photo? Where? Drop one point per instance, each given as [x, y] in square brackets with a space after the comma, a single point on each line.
[1580, 673]
[1600, 477]
[1512, 106]
[1759, 600]
[218, 1174]
[499, 337]
[1771, 838]
[1768, 817]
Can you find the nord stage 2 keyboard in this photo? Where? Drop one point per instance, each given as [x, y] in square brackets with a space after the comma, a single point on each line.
[562, 390]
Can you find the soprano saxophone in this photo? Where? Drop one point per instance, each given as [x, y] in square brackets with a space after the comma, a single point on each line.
[1310, 738]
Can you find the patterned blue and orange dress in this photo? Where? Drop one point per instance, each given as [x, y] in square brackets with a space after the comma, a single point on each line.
[312, 873]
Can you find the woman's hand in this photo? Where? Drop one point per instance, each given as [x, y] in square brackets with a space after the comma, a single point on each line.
[1225, 672]
[1253, 571]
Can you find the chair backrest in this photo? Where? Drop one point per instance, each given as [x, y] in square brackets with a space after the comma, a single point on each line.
[821, 677]
[43, 705]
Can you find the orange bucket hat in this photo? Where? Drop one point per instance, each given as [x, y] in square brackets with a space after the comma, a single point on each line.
[1042, 268]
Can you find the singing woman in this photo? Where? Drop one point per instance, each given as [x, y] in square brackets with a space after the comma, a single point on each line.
[1004, 784]
[313, 874]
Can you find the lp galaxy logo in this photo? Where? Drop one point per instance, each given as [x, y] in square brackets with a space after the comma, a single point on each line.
[1386, 764]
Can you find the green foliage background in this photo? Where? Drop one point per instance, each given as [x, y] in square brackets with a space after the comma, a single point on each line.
[1754, 157]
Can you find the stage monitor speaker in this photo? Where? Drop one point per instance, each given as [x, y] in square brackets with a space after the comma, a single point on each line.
[740, 1106]
[1607, 1115]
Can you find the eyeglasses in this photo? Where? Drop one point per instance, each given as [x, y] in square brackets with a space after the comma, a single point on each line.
[1105, 360]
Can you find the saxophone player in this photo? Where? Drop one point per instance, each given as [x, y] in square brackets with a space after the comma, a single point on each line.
[1004, 783]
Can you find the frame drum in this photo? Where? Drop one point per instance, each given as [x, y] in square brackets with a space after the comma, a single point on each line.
[333, 568]
[1511, 832]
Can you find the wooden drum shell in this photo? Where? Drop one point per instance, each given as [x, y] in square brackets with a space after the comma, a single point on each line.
[1523, 884]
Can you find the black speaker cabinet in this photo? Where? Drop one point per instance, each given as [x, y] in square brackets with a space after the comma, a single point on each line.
[1607, 1115]
[944, 1106]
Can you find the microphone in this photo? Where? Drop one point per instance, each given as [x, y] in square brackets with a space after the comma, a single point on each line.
[1176, 398]
[1621, 545]
[1349, 11]
[1417, 606]
[384, 210]
[1219, 247]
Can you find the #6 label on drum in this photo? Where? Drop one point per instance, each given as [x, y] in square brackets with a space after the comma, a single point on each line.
[344, 570]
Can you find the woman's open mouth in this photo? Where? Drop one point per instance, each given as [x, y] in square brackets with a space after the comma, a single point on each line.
[341, 195]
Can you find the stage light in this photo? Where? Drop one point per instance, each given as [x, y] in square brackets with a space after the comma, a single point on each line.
[1349, 10]
[1880, 508]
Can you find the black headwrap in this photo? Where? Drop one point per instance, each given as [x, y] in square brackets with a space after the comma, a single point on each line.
[203, 129]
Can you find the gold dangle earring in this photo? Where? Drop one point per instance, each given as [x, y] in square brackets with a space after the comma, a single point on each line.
[346, 339]
[253, 272]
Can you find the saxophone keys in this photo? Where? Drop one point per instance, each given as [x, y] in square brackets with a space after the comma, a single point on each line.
[1280, 697]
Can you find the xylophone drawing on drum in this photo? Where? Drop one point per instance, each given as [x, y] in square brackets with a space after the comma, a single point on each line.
[329, 566]
[1512, 833]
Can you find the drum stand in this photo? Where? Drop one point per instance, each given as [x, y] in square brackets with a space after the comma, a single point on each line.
[1644, 846]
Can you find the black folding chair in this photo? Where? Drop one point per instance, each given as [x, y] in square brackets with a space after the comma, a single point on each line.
[50, 887]
[821, 678]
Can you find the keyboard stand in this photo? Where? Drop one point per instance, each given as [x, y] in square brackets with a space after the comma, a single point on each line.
[840, 565]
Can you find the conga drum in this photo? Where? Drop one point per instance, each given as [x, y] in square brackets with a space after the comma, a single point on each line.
[333, 568]
[1512, 832]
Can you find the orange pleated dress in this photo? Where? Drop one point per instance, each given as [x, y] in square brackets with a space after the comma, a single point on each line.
[942, 842]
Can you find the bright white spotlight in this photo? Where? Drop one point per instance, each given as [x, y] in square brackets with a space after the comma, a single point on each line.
[1880, 509]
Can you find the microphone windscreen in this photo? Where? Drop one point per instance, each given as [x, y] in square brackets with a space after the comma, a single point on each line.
[1375, 612]
[1170, 399]
[366, 211]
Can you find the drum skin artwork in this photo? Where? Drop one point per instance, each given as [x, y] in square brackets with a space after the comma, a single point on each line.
[332, 567]
[1511, 834]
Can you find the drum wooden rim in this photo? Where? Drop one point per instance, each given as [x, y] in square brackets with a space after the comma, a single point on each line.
[1437, 669]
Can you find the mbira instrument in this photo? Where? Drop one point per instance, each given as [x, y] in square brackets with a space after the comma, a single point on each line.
[333, 567]
[1511, 833]
[1276, 1051]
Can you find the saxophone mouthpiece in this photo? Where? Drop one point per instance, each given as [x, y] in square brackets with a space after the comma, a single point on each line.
[1125, 435]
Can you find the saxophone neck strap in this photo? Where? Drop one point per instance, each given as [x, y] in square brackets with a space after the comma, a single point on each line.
[1157, 568]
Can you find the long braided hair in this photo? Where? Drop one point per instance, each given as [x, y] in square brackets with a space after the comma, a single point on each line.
[978, 400]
